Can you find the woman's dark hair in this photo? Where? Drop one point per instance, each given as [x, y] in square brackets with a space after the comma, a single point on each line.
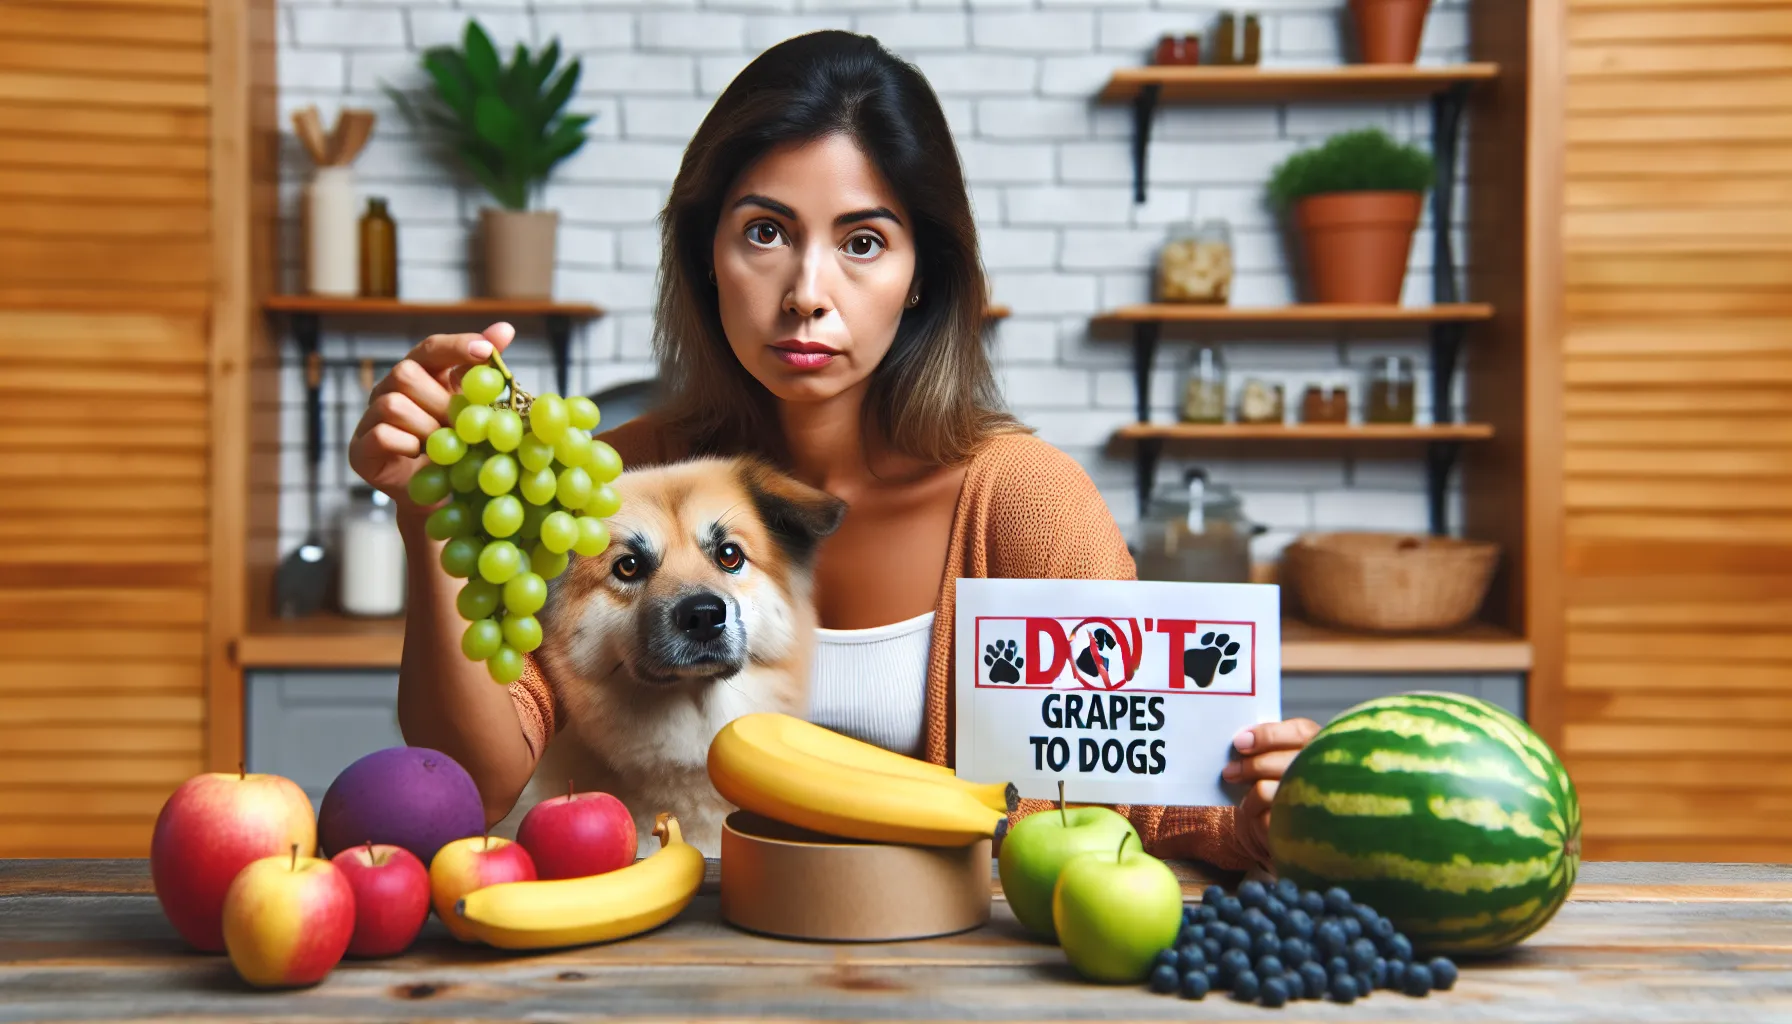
[934, 395]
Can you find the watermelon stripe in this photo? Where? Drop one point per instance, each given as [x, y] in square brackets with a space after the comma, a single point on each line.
[1420, 838]
[1361, 805]
[1476, 718]
[1429, 730]
[1384, 761]
[1491, 816]
[1459, 876]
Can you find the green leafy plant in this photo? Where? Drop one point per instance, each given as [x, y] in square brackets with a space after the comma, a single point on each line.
[1367, 160]
[506, 122]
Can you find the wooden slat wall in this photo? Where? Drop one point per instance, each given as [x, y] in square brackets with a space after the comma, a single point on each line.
[1676, 711]
[106, 288]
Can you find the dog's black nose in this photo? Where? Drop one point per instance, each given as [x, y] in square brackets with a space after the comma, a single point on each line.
[700, 617]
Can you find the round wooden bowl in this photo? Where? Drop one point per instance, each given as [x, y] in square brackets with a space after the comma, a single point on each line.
[788, 882]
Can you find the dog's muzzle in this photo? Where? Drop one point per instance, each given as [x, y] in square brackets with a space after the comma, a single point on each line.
[698, 636]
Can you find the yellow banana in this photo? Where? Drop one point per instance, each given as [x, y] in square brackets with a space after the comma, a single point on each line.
[576, 911]
[850, 753]
[755, 769]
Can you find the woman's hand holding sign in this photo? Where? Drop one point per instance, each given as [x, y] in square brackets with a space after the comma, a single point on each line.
[1261, 754]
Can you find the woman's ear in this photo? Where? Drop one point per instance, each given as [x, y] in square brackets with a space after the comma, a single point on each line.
[798, 516]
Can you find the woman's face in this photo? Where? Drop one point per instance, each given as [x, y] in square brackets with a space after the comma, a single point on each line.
[814, 262]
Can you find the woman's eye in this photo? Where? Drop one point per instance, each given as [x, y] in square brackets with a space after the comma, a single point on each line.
[627, 567]
[730, 557]
[855, 245]
[757, 233]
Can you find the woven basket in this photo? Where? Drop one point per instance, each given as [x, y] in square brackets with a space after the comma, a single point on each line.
[1389, 581]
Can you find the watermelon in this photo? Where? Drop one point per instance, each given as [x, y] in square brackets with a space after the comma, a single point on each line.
[1445, 813]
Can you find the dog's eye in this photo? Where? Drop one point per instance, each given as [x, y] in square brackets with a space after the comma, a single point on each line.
[627, 567]
[730, 557]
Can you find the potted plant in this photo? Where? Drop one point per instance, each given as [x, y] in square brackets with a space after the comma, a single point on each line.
[1388, 31]
[1354, 201]
[506, 124]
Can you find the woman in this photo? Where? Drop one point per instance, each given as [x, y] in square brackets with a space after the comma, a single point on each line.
[821, 304]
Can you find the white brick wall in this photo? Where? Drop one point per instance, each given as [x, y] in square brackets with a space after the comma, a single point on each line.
[1050, 175]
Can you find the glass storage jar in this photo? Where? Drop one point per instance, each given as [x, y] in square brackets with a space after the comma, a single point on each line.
[1204, 388]
[1389, 395]
[1195, 263]
[1195, 533]
[1325, 402]
[372, 578]
[1260, 401]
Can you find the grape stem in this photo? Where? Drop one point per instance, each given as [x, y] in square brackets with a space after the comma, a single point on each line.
[519, 399]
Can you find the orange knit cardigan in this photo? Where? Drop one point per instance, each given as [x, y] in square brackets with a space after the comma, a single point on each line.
[1026, 511]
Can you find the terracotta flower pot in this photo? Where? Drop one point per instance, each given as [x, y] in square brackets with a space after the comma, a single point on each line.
[1388, 31]
[519, 252]
[1355, 244]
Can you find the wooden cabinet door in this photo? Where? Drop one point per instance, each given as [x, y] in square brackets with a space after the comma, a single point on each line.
[1676, 709]
[110, 362]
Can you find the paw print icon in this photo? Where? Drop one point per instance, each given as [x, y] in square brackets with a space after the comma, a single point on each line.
[1216, 655]
[1004, 661]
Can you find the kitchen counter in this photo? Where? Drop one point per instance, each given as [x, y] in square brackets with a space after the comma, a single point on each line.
[86, 940]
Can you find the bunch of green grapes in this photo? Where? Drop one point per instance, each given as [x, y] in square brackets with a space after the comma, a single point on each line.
[530, 486]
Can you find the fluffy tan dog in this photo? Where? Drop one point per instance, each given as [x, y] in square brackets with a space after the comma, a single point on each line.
[700, 611]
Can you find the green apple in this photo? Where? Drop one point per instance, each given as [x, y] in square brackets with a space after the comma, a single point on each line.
[1037, 848]
[1114, 911]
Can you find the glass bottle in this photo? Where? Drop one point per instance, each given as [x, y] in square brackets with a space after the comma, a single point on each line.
[1225, 41]
[372, 580]
[1253, 40]
[379, 252]
[1204, 388]
[1390, 392]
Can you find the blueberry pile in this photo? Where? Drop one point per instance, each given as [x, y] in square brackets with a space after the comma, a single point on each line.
[1276, 944]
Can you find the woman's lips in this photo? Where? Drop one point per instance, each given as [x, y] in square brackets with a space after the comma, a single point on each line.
[804, 355]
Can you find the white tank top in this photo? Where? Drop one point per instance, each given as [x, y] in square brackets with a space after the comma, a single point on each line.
[871, 684]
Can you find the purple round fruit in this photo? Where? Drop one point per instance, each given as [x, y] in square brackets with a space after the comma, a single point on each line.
[413, 797]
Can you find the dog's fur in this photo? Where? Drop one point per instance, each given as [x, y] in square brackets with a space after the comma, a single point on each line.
[642, 686]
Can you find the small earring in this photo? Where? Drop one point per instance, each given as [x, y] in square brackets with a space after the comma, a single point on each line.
[712, 276]
[914, 299]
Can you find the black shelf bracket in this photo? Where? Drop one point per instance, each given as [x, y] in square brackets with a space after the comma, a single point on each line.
[1446, 338]
[1446, 133]
[560, 341]
[1144, 352]
[1144, 105]
[1446, 349]
[1440, 460]
[307, 332]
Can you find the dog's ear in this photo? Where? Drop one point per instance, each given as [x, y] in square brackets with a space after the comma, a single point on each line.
[798, 516]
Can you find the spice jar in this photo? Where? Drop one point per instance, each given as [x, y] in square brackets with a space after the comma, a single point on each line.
[1390, 392]
[1260, 401]
[1195, 263]
[1225, 39]
[1204, 390]
[372, 581]
[1325, 402]
[379, 252]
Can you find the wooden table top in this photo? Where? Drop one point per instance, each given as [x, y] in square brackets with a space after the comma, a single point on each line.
[86, 940]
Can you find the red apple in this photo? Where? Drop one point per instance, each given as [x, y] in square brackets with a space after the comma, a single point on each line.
[391, 897]
[578, 834]
[474, 863]
[287, 920]
[210, 829]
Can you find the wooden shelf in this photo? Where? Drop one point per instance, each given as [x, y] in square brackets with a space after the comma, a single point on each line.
[996, 312]
[1476, 648]
[329, 305]
[1299, 313]
[1347, 82]
[1305, 432]
[322, 641]
[338, 642]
